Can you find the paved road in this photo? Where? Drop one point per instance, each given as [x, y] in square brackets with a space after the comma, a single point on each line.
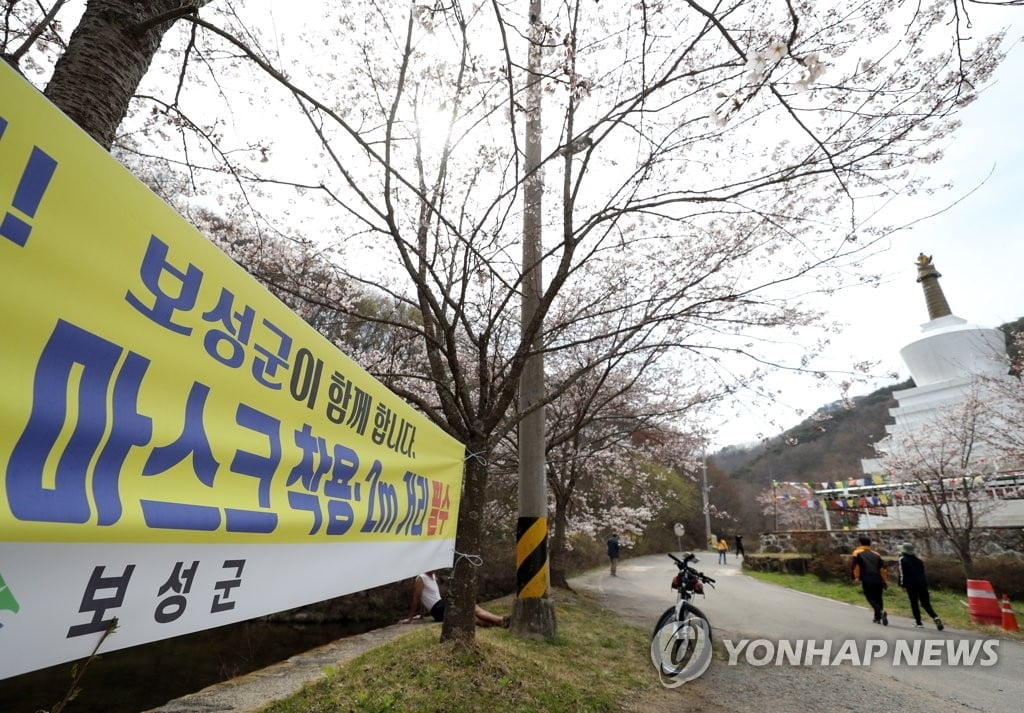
[742, 608]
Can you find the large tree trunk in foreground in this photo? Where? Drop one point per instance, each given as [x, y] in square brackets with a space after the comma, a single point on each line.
[459, 618]
[107, 56]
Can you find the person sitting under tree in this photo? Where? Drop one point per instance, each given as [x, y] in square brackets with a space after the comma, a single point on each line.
[427, 594]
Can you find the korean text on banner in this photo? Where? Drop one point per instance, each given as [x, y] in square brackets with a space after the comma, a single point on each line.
[178, 450]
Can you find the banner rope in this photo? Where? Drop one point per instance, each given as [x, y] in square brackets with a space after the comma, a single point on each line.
[474, 560]
[478, 456]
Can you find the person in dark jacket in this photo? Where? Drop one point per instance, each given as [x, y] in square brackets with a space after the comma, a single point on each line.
[914, 581]
[868, 568]
[613, 551]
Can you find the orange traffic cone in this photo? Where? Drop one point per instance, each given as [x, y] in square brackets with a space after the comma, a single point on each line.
[1009, 620]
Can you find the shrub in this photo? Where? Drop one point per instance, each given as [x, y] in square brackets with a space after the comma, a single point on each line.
[786, 564]
[1006, 574]
[830, 567]
[813, 542]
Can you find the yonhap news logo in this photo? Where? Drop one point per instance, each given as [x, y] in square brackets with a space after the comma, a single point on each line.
[826, 652]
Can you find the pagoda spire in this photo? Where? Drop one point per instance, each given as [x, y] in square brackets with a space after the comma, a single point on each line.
[928, 276]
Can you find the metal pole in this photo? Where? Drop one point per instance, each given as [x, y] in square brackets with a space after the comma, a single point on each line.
[533, 612]
[707, 504]
[775, 500]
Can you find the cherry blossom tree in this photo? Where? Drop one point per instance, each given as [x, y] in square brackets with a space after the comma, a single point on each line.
[99, 68]
[1003, 407]
[791, 507]
[945, 468]
[611, 439]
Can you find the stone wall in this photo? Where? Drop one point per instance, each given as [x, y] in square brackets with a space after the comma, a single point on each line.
[991, 541]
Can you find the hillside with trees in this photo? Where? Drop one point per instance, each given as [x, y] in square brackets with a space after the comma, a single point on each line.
[828, 446]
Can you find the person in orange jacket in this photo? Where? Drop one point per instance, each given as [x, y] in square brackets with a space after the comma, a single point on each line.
[868, 568]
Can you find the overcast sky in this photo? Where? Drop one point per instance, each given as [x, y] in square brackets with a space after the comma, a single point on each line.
[976, 245]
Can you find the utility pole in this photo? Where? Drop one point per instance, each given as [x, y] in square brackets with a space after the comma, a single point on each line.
[707, 503]
[533, 612]
[775, 499]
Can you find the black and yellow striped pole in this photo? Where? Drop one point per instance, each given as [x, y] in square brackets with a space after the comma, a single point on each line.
[533, 613]
[532, 557]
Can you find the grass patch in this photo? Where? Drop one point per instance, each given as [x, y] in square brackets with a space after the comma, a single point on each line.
[946, 604]
[596, 663]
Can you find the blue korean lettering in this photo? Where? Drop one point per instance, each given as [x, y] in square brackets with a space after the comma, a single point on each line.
[306, 374]
[35, 179]
[74, 355]
[129, 428]
[154, 267]
[194, 444]
[339, 393]
[397, 434]
[265, 366]
[417, 494]
[382, 505]
[318, 460]
[258, 466]
[237, 330]
[360, 414]
[340, 490]
[348, 403]
[315, 462]
[162, 515]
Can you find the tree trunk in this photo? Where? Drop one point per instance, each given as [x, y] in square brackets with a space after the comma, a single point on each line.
[459, 618]
[559, 576]
[107, 56]
[967, 562]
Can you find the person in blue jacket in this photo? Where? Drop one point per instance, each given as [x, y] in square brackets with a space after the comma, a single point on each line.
[613, 551]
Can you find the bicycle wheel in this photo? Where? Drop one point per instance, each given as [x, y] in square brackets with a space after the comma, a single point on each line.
[670, 615]
[682, 646]
[665, 618]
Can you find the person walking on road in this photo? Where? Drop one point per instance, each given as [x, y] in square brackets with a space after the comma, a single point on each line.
[915, 583]
[723, 548]
[868, 568]
[613, 552]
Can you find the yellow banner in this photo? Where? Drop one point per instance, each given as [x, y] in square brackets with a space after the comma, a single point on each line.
[154, 392]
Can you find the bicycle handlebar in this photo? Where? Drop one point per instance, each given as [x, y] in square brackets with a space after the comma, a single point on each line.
[684, 564]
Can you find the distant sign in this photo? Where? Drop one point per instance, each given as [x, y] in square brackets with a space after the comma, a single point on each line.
[679, 529]
[177, 449]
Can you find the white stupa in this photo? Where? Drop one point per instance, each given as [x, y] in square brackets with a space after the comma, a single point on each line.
[947, 358]
[945, 363]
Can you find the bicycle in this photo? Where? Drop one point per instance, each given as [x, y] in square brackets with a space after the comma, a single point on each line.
[681, 642]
